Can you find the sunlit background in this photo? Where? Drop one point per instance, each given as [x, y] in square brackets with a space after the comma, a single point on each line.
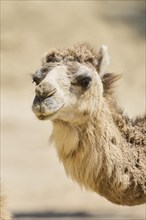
[34, 180]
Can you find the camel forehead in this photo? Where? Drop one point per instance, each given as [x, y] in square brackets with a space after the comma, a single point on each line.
[62, 71]
[57, 71]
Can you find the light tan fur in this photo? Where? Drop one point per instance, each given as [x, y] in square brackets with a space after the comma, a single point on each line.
[4, 213]
[100, 148]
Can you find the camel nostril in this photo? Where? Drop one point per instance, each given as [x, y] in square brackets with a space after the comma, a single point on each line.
[44, 93]
[51, 93]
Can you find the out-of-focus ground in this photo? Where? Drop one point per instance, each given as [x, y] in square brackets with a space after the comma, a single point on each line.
[34, 180]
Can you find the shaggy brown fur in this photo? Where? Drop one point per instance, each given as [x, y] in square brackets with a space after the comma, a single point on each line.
[104, 151]
[80, 53]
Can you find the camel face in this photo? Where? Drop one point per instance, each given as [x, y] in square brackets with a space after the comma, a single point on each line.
[66, 92]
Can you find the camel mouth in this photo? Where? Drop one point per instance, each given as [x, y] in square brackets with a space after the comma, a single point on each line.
[43, 117]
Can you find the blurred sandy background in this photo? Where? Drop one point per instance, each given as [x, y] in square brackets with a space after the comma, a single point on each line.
[33, 178]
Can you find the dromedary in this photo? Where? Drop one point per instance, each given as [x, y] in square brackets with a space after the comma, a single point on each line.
[4, 213]
[100, 147]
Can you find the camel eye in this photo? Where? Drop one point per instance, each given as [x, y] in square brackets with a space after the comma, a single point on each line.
[39, 75]
[84, 82]
[35, 80]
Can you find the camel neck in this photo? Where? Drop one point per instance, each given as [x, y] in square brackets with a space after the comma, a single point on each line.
[133, 131]
[97, 155]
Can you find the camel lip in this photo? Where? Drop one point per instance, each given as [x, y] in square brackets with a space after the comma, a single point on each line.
[43, 118]
[48, 117]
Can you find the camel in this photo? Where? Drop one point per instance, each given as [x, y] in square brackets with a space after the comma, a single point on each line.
[100, 147]
[4, 213]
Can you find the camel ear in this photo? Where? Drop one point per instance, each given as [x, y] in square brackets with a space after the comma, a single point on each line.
[103, 60]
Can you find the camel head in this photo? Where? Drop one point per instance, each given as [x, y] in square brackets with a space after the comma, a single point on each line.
[69, 84]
